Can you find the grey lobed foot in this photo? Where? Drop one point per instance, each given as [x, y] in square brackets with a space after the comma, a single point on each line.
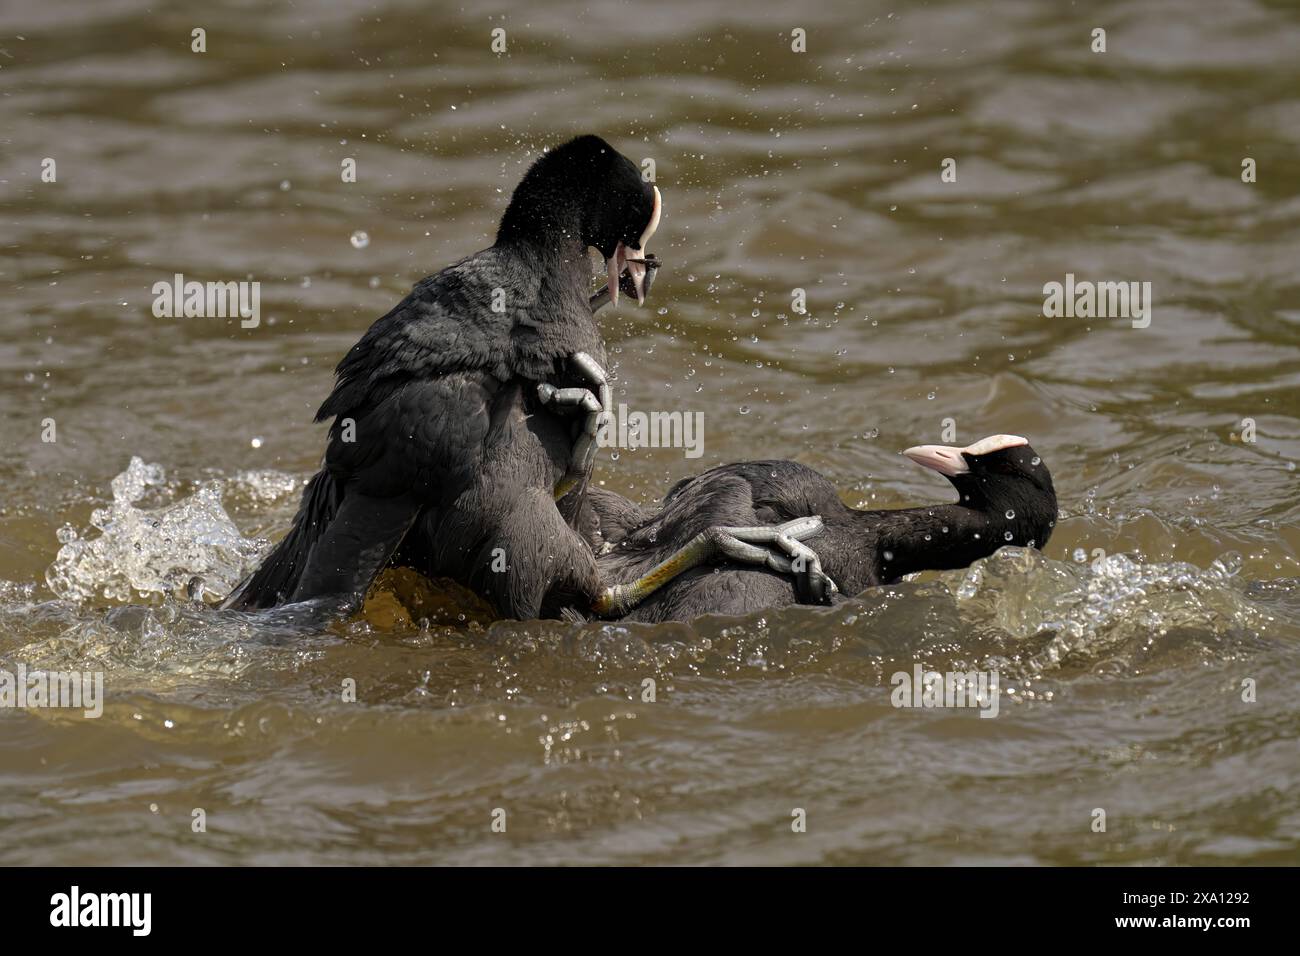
[781, 548]
[593, 402]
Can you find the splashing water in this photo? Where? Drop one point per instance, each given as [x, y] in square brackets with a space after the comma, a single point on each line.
[190, 546]
[1113, 604]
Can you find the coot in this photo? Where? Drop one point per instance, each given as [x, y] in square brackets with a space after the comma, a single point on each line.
[449, 444]
[745, 520]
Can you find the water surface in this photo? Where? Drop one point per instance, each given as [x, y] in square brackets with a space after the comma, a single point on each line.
[1123, 671]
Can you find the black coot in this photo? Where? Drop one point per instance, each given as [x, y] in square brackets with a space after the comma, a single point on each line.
[441, 444]
[673, 555]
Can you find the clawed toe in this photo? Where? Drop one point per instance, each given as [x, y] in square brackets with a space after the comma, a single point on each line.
[593, 402]
[781, 548]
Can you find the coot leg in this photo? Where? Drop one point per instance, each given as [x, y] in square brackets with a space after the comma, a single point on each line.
[761, 546]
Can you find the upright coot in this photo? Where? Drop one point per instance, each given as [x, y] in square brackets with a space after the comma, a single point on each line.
[453, 429]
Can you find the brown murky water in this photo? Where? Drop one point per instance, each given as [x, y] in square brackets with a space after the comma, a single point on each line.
[1123, 673]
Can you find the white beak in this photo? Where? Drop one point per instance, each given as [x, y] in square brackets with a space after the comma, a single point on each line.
[948, 460]
[635, 267]
[945, 459]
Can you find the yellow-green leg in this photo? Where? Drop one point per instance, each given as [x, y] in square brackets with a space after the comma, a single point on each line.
[753, 546]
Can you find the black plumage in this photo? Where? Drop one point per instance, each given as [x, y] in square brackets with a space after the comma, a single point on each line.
[440, 451]
[1006, 497]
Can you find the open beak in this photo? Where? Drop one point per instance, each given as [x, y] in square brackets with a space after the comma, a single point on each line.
[945, 459]
[633, 259]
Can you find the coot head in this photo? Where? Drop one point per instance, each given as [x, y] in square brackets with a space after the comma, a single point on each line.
[587, 190]
[1003, 477]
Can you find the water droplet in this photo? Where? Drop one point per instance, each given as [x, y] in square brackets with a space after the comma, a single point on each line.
[256, 442]
[888, 556]
[1230, 563]
[1035, 460]
[285, 185]
[744, 409]
[1010, 513]
[359, 239]
[1008, 536]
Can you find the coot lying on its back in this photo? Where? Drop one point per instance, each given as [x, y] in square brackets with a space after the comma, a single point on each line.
[1006, 498]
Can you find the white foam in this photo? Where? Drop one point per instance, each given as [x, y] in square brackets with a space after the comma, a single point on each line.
[190, 545]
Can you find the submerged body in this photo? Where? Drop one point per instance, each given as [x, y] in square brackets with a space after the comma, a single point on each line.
[1006, 498]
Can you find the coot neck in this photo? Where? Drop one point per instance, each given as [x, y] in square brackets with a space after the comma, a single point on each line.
[942, 537]
[558, 260]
